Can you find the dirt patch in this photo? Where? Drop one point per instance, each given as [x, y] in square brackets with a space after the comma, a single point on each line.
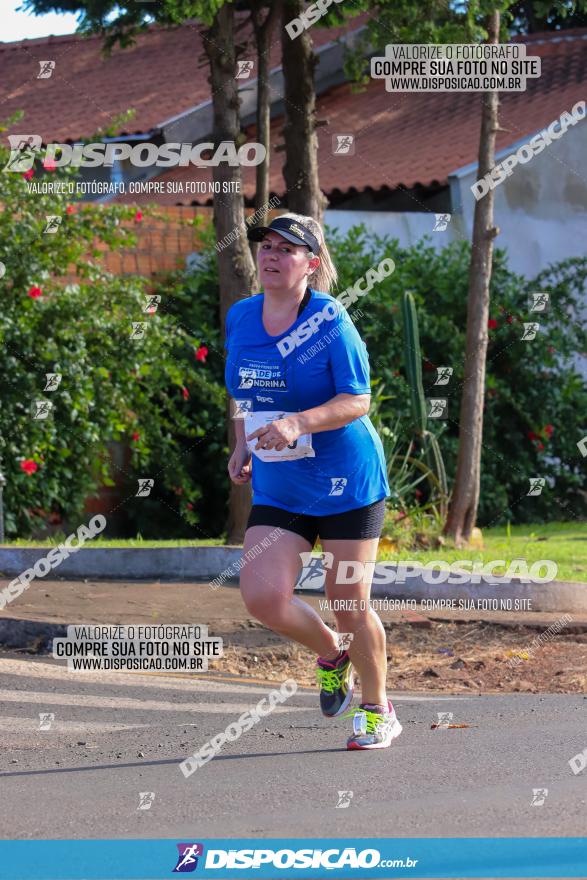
[438, 657]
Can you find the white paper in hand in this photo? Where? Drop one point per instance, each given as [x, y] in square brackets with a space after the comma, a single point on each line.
[300, 448]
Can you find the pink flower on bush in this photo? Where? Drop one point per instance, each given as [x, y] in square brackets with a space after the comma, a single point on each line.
[201, 354]
[49, 165]
[70, 209]
[28, 174]
[136, 436]
[185, 392]
[29, 466]
[492, 324]
[138, 216]
[548, 430]
[35, 292]
[189, 505]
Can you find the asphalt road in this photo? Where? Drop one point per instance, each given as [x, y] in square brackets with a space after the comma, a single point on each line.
[83, 776]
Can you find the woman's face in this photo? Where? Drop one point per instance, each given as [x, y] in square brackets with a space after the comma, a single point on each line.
[283, 265]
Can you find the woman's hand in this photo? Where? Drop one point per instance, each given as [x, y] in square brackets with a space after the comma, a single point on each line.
[239, 465]
[277, 435]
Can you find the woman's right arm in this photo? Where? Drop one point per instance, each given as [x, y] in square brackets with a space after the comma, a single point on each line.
[239, 430]
[240, 465]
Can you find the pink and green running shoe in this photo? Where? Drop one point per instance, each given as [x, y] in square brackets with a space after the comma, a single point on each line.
[373, 728]
[335, 679]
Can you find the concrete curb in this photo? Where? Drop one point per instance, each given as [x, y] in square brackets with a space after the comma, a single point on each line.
[205, 563]
[465, 591]
[136, 563]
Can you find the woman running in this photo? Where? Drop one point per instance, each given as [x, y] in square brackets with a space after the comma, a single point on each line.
[299, 372]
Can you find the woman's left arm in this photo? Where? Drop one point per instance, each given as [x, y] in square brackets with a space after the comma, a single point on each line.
[335, 413]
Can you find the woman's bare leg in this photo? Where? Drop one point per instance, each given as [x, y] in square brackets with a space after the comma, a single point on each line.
[367, 649]
[267, 583]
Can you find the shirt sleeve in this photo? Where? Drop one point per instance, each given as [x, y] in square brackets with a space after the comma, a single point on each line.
[349, 360]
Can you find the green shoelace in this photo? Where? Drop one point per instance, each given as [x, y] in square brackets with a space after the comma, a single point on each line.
[329, 680]
[373, 719]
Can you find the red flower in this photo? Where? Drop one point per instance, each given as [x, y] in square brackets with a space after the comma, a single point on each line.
[28, 174]
[548, 430]
[54, 517]
[540, 446]
[49, 165]
[418, 493]
[428, 366]
[201, 354]
[189, 505]
[136, 436]
[551, 349]
[29, 466]
[35, 292]
[492, 324]
[70, 209]
[178, 490]
[509, 319]
[138, 216]
[532, 436]
[185, 392]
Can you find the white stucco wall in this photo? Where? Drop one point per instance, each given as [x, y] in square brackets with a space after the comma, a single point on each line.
[409, 228]
[541, 209]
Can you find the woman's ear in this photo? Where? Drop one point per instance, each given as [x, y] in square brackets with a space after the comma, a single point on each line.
[313, 264]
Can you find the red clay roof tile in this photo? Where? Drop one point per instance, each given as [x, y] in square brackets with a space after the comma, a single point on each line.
[401, 138]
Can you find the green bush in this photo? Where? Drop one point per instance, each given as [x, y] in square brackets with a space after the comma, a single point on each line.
[112, 388]
[169, 404]
[535, 398]
[534, 394]
[190, 298]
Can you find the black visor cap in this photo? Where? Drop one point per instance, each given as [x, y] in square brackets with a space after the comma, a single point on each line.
[290, 229]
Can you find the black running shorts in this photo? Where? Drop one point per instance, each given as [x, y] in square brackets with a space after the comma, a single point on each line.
[363, 522]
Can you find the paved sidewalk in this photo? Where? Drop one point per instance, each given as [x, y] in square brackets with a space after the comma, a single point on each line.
[64, 602]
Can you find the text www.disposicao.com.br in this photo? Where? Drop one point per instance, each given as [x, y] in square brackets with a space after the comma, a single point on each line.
[134, 663]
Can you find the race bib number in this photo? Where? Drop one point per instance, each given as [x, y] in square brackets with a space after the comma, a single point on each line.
[300, 448]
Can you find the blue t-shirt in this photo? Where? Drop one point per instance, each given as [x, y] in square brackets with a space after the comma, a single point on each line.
[295, 372]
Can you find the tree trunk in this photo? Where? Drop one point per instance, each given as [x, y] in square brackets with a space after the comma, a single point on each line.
[465, 495]
[263, 33]
[235, 265]
[301, 144]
